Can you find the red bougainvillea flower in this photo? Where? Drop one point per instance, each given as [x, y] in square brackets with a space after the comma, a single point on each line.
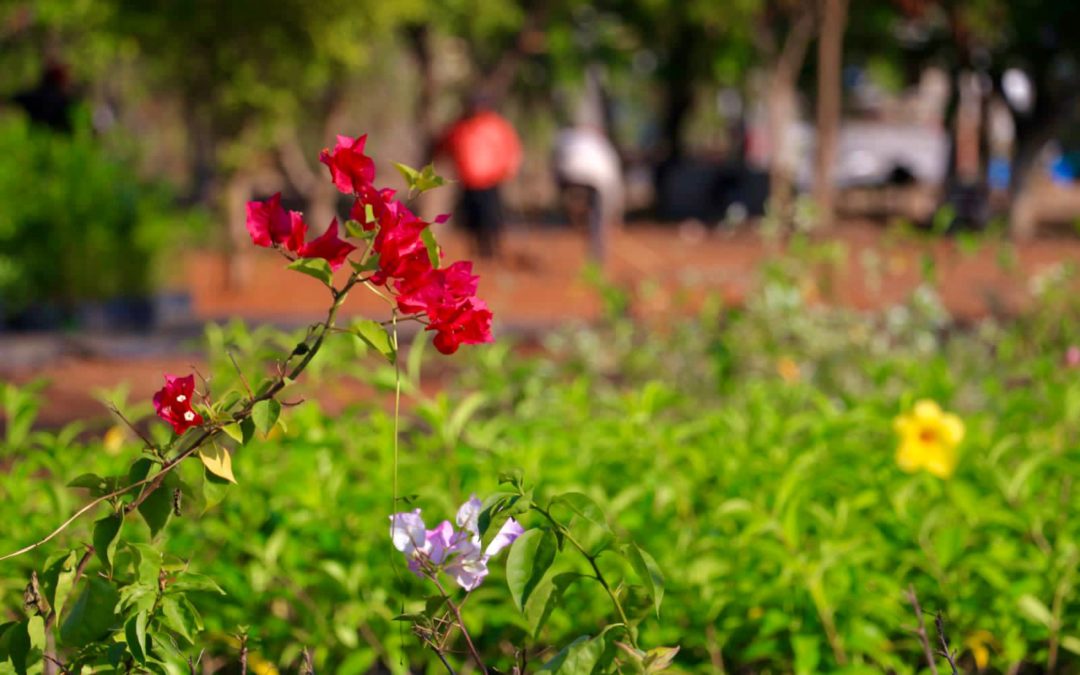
[173, 403]
[401, 249]
[329, 247]
[440, 292]
[270, 225]
[470, 325]
[350, 168]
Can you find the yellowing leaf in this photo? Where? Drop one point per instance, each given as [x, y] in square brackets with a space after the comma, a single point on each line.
[217, 461]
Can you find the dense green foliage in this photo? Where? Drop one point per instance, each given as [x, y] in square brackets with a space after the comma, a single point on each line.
[768, 495]
[78, 223]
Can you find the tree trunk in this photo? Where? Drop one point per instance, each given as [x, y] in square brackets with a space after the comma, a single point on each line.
[1032, 135]
[830, 65]
[782, 103]
[418, 38]
[238, 191]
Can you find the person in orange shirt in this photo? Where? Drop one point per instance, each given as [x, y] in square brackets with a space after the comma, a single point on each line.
[486, 152]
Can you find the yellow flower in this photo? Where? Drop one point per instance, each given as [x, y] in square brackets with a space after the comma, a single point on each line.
[980, 643]
[928, 439]
[114, 439]
[788, 369]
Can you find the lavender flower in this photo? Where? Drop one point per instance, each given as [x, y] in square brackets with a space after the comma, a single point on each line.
[457, 553]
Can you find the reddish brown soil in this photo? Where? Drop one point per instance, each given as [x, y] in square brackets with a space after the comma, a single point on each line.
[538, 283]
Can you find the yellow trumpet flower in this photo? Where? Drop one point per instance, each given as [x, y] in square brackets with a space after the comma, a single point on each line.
[928, 439]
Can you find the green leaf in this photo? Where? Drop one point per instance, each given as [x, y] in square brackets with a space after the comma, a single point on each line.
[499, 507]
[139, 470]
[1036, 610]
[92, 614]
[57, 580]
[420, 180]
[316, 268]
[157, 508]
[247, 426]
[432, 246]
[214, 489]
[583, 655]
[265, 414]
[149, 565]
[234, 432]
[190, 581]
[217, 461]
[590, 527]
[180, 616]
[106, 535]
[545, 597]
[527, 563]
[512, 477]
[4, 628]
[135, 634]
[139, 597]
[17, 645]
[648, 571]
[1071, 643]
[407, 172]
[356, 230]
[377, 337]
[91, 481]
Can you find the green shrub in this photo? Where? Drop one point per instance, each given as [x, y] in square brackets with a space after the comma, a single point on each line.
[76, 223]
[771, 500]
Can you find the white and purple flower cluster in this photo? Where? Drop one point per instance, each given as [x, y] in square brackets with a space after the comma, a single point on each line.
[458, 553]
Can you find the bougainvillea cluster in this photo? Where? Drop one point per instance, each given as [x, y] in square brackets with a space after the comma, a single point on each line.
[174, 405]
[399, 256]
[460, 554]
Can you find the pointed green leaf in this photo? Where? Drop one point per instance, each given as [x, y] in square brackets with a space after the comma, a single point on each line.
[648, 571]
[17, 645]
[584, 655]
[316, 268]
[57, 580]
[590, 526]
[376, 336]
[265, 414]
[135, 634]
[545, 597]
[157, 508]
[106, 535]
[432, 246]
[214, 489]
[527, 563]
[234, 432]
[180, 616]
[92, 614]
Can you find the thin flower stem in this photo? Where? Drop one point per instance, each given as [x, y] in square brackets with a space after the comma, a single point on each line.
[596, 570]
[446, 664]
[924, 639]
[397, 412]
[461, 624]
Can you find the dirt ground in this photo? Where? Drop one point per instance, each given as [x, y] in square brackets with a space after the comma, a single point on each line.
[538, 283]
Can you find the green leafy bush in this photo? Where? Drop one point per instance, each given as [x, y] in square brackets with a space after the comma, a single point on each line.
[751, 452]
[77, 224]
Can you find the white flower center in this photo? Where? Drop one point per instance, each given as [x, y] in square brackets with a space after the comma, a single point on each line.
[189, 416]
[181, 398]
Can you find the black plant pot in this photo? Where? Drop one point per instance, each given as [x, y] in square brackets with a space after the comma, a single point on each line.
[41, 316]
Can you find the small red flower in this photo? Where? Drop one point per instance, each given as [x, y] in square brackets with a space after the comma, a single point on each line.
[350, 168]
[173, 403]
[269, 224]
[329, 247]
[470, 325]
